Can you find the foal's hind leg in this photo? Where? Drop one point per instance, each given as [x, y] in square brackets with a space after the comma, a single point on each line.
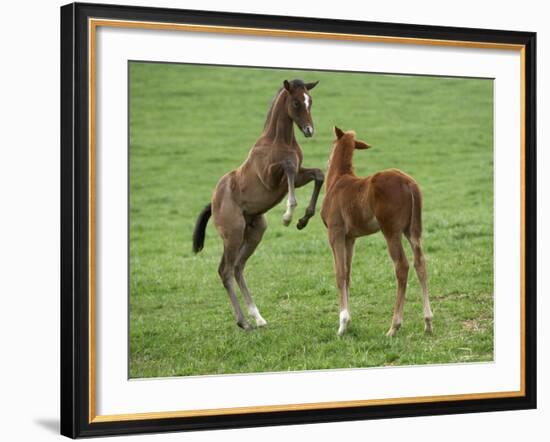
[232, 241]
[395, 248]
[252, 237]
[420, 267]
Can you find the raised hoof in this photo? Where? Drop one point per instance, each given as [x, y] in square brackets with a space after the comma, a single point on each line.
[286, 222]
[261, 322]
[244, 325]
[302, 223]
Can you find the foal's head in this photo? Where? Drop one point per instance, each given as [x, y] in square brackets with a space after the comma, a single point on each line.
[347, 140]
[299, 104]
[341, 156]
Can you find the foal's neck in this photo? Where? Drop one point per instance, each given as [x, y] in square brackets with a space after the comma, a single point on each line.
[341, 161]
[280, 128]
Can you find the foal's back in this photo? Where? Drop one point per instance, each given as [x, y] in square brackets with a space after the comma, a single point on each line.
[361, 204]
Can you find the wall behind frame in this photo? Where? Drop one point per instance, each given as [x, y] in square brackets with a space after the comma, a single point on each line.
[29, 225]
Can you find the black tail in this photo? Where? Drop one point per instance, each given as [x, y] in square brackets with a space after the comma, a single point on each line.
[200, 228]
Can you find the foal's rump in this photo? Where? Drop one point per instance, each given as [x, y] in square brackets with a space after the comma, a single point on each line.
[397, 201]
[222, 190]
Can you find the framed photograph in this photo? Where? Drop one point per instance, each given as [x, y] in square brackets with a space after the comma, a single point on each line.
[221, 173]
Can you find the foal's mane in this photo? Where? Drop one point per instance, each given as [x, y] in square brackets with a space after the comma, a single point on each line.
[270, 111]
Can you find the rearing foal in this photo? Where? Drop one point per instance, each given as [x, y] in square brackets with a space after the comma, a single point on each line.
[273, 169]
[389, 201]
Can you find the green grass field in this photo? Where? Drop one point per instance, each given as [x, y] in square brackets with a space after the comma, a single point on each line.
[191, 124]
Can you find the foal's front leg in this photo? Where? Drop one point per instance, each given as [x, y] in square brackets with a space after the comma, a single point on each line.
[338, 244]
[305, 176]
[290, 169]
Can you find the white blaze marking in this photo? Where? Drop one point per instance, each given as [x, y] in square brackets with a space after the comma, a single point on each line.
[306, 101]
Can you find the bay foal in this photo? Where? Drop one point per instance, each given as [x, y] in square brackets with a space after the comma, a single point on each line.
[272, 170]
[389, 201]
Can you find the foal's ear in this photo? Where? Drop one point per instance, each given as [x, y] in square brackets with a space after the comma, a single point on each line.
[286, 84]
[361, 145]
[338, 132]
[310, 86]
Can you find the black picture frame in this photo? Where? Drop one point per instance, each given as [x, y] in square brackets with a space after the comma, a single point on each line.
[75, 219]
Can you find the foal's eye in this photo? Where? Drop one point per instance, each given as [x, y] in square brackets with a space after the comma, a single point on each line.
[295, 104]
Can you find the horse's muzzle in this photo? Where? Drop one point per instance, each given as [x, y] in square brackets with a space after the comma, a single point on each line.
[308, 131]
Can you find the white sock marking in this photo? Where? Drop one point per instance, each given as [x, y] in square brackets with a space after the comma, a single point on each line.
[290, 207]
[344, 319]
[253, 310]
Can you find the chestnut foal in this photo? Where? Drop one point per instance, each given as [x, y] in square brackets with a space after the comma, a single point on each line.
[272, 170]
[389, 201]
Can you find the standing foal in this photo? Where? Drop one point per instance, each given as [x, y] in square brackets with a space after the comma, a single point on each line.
[272, 170]
[389, 201]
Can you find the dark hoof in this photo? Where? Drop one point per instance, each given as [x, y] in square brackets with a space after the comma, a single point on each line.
[428, 328]
[302, 223]
[244, 325]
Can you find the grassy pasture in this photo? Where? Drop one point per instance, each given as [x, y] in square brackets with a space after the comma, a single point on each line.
[191, 124]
